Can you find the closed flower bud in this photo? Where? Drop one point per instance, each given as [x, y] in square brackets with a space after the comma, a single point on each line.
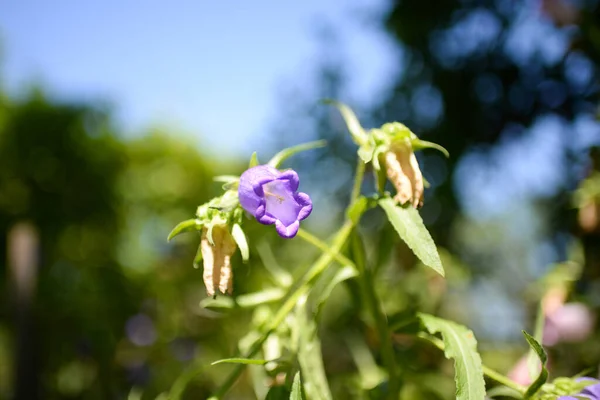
[403, 171]
[217, 259]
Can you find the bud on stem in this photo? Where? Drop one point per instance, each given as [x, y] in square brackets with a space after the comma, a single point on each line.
[403, 171]
[217, 259]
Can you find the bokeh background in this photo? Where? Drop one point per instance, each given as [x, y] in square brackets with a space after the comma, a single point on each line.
[114, 117]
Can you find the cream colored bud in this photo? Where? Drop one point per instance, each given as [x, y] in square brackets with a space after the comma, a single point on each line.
[403, 171]
[217, 260]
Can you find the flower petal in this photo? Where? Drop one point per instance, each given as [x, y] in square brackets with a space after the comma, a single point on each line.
[289, 231]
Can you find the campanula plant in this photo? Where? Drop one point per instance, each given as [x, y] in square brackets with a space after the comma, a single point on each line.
[283, 345]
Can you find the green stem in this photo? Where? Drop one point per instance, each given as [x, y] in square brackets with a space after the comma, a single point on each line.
[490, 373]
[324, 247]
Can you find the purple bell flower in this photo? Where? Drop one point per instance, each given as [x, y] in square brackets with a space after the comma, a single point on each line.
[271, 196]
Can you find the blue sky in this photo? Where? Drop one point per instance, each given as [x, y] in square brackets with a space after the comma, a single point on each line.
[207, 68]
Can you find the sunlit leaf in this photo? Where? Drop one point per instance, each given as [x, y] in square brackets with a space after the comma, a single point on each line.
[226, 178]
[418, 144]
[296, 388]
[543, 376]
[356, 130]
[253, 160]
[248, 361]
[409, 225]
[290, 151]
[240, 239]
[185, 226]
[460, 345]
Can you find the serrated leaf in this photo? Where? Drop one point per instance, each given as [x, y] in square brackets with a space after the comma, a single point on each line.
[309, 355]
[418, 144]
[356, 130]
[253, 160]
[296, 388]
[460, 345]
[240, 239]
[248, 361]
[185, 226]
[543, 376]
[290, 151]
[409, 225]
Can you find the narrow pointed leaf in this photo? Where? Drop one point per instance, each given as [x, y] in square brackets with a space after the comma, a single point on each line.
[342, 274]
[185, 226]
[290, 151]
[253, 160]
[296, 388]
[460, 345]
[418, 144]
[240, 239]
[356, 130]
[248, 300]
[309, 355]
[543, 376]
[409, 225]
[248, 361]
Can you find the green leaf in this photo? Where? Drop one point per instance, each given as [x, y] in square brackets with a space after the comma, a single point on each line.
[198, 257]
[248, 300]
[290, 151]
[356, 210]
[356, 130]
[185, 226]
[418, 144]
[258, 298]
[409, 225]
[309, 354]
[543, 376]
[226, 178]
[296, 388]
[365, 152]
[248, 361]
[460, 345]
[503, 391]
[538, 333]
[240, 239]
[280, 275]
[342, 274]
[253, 160]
